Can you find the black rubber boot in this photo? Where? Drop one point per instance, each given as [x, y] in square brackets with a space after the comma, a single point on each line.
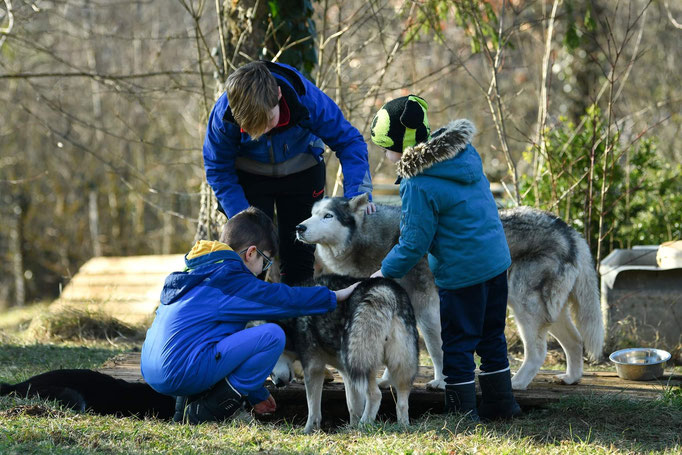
[180, 405]
[461, 398]
[220, 402]
[498, 400]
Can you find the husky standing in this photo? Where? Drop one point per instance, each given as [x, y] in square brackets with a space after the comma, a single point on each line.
[350, 243]
[374, 327]
[553, 286]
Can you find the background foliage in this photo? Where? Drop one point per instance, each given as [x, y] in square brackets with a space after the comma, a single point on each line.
[103, 107]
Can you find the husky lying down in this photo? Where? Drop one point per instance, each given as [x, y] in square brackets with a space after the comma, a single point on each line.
[87, 390]
[374, 327]
[551, 279]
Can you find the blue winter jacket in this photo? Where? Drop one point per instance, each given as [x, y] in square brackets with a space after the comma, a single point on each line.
[315, 119]
[449, 212]
[215, 297]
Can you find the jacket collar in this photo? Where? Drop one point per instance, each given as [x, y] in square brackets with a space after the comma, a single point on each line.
[208, 252]
[444, 144]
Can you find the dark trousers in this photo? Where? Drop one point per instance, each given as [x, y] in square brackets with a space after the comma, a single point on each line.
[473, 320]
[293, 196]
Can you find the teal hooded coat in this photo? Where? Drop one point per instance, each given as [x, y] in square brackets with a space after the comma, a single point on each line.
[448, 212]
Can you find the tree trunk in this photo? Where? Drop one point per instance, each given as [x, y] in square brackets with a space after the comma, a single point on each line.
[93, 216]
[167, 233]
[17, 253]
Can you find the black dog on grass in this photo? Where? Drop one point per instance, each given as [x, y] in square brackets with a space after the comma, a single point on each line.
[88, 390]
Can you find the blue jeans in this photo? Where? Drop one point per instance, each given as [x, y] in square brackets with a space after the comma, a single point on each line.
[473, 320]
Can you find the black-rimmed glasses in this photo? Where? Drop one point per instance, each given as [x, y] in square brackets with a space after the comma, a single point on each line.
[268, 261]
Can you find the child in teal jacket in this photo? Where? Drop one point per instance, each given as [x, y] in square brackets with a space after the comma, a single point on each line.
[449, 212]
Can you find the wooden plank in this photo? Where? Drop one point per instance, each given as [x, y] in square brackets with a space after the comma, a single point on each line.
[114, 291]
[127, 288]
[541, 392]
[107, 265]
[127, 279]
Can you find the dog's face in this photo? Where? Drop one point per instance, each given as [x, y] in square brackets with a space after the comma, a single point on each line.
[333, 220]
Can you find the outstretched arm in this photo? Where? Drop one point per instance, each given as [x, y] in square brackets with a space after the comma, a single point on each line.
[220, 152]
[417, 228]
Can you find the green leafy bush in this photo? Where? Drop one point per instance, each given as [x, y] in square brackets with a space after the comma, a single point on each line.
[643, 197]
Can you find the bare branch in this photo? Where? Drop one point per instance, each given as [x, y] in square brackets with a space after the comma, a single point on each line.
[543, 105]
[99, 76]
[676, 24]
[77, 144]
[221, 34]
[10, 23]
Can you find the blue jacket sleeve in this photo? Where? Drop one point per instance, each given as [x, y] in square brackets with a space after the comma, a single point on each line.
[220, 152]
[328, 123]
[250, 299]
[259, 395]
[418, 224]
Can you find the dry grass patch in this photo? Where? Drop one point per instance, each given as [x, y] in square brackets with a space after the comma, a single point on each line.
[72, 324]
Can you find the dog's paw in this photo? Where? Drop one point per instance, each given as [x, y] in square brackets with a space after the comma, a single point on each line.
[436, 384]
[565, 379]
[367, 423]
[310, 428]
[519, 385]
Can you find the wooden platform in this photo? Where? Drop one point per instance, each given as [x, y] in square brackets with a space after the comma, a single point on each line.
[127, 288]
[541, 392]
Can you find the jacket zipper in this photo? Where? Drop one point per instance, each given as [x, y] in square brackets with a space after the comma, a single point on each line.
[272, 152]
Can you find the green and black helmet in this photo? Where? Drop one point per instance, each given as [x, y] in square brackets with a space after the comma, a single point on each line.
[401, 123]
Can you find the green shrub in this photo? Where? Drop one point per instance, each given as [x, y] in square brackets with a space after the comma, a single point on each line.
[644, 192]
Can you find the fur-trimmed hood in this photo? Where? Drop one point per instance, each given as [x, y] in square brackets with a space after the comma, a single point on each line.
[446, 143]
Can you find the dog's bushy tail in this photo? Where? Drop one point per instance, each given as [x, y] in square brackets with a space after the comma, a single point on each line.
[586, 303]
[363, 349]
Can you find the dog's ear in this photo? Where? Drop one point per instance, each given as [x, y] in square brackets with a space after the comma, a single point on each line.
[359, 202]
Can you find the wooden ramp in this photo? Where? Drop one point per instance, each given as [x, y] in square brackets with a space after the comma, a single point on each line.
[127, 288]
[543, 391]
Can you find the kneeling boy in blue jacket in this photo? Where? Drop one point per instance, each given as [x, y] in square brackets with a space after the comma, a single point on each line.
[198, 348]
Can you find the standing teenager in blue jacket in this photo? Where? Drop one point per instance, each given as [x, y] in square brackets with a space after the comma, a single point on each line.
[198, 348]
[264, 145]
[449, 212]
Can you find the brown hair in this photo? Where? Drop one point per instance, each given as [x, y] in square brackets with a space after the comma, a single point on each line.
[252, 93]
[250, 227]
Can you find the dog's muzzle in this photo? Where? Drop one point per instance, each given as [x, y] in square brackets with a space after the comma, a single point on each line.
[300, 231]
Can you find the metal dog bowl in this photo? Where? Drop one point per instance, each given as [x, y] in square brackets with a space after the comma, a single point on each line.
[640, 364]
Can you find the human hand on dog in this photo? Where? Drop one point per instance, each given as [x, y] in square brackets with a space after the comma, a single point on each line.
[343, 294]
[377, 274]
[371, 208]
[266, 406]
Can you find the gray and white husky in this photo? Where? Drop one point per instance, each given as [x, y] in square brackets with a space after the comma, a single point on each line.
[348, 243]
[374, 327]
[553, 284]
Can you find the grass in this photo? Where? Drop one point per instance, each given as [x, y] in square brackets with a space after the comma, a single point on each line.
[585, 425]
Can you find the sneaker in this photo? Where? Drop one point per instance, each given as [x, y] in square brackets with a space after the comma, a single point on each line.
[219, 403]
